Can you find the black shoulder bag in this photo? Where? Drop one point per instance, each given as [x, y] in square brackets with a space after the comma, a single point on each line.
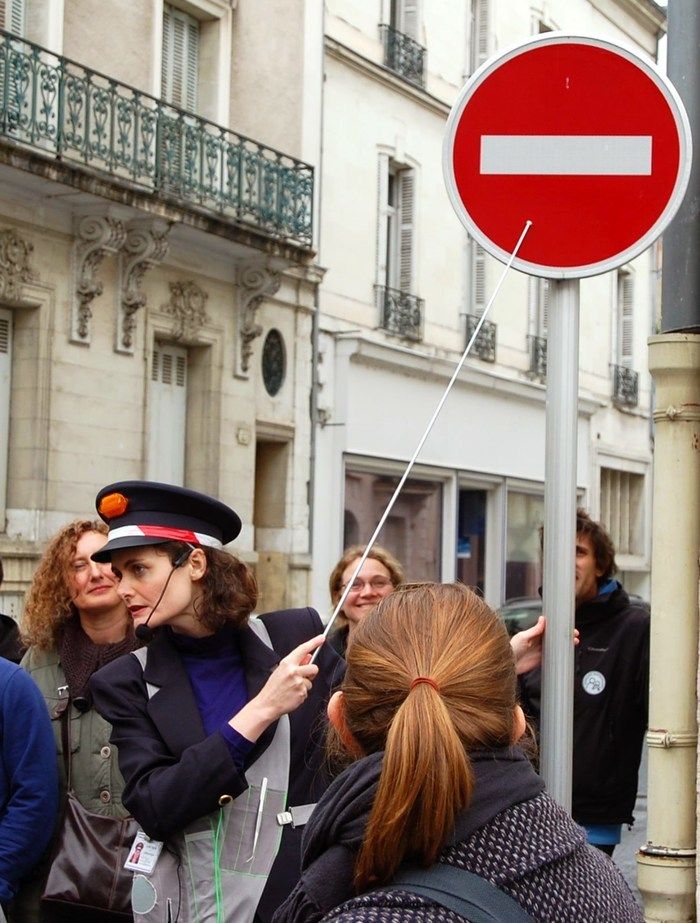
[87, 870]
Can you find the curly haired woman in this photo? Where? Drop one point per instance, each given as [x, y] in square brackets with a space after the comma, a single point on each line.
[74, 622]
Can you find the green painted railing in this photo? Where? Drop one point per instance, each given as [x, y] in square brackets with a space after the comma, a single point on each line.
[76, 115]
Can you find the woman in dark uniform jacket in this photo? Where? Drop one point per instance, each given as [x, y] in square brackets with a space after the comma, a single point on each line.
[219, 721]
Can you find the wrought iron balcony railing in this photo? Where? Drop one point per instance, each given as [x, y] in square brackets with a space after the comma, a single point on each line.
[538, 357]
[403, 55]
[625, 387]
[485, 343]
[400, 313]
[74, 114]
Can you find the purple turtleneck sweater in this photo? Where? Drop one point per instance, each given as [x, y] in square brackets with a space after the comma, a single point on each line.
[216, 671]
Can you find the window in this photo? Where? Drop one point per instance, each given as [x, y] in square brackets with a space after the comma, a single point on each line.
[180, 63]
[524, 516]
[413, 530]
[401, 311]
[167, 414]
[471, 538]
[396, 227]
[624, 319]
[479, 44]
[5, 381]
[12, 16]
[404, 17]
[622, 509]
[477, 278]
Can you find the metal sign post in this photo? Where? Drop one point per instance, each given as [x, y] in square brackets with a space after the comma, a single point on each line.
[556, 726]
[590, 143]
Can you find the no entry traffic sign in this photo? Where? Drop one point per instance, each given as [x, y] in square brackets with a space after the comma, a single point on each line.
[580, 136]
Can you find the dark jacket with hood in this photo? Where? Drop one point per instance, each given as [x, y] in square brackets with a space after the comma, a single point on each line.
[611, 690]
[512, 834]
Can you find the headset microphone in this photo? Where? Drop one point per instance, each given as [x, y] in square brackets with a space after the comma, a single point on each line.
[144, 632]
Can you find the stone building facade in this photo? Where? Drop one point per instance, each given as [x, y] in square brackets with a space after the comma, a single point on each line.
[404, 289]
[157, 275]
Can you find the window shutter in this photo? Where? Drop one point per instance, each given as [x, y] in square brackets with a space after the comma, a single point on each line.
[625, 297]
[543, 307]
[409, 18]
[167, 414]
[382, 217]
[16, 19]
[192, 65]
[5, 381]
[166, 64]
[478, 278]
[406, 201]
[480, 33]
[180, 63]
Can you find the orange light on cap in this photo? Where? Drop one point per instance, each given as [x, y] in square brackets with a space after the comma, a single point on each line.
[113, 505]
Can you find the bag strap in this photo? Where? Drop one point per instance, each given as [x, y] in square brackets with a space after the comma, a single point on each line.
[66, 745]
[467, 894]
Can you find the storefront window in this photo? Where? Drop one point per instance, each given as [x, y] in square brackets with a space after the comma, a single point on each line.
[525, 516]
[413, 530]
[471, 538]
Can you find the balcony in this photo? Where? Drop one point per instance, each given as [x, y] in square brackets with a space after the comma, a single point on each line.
[403, 55]
[538, 357]
[75, 115]
[400, 313]
[625, 387]
[485, 343]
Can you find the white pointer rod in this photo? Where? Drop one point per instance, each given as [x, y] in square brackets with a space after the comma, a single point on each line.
[390, 505]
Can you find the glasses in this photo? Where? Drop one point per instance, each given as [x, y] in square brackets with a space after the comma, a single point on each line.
[376, 583]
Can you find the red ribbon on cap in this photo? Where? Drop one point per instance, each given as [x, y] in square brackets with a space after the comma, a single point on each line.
[425, 679]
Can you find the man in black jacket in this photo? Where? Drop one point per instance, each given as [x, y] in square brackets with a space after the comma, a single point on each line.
[611, 690]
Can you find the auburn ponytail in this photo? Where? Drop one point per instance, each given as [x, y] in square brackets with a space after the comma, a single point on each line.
[430, 678]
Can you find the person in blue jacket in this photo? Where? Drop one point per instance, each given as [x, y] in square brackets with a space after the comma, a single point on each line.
[28, 778]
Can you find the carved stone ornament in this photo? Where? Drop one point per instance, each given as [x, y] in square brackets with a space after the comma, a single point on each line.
[96, 236]
[255, 283]
[15, 270]
[187, 309]
[146, 245]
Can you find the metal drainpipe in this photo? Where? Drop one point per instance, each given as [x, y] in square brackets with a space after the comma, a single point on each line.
[667, 863]
[313, 395]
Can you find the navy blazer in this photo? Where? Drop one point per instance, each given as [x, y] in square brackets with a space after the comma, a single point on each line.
[174, 773]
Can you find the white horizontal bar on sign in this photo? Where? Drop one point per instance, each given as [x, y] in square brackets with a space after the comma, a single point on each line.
[569, 155]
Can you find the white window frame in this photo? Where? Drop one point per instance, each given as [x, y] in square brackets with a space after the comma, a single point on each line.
[177, 24]
[477, 278]
[404, 16]
[215, 18]
[396, 225]
[6, 338]
[480, 33]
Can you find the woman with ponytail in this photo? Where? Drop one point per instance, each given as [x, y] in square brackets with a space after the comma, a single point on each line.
[428, 713]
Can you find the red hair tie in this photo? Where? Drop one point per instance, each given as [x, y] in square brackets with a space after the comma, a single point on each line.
[425, 679]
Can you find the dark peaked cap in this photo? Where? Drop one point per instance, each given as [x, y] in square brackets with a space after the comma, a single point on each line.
[147, 513]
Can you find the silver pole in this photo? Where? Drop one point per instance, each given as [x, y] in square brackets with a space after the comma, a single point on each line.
[556, 727]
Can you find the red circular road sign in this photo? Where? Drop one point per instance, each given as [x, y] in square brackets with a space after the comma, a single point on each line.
[580, 136]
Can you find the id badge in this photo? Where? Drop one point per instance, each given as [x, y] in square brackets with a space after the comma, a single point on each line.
[143, 854]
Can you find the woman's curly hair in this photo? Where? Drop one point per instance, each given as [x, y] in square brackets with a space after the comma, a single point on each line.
[48, 605]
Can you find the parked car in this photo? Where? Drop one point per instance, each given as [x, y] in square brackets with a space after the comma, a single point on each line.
[520, 613]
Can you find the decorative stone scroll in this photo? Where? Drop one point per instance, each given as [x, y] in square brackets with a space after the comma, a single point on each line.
[187, 309]
[254, 283]
[96, 235]
[145, 246]
[15, 271]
